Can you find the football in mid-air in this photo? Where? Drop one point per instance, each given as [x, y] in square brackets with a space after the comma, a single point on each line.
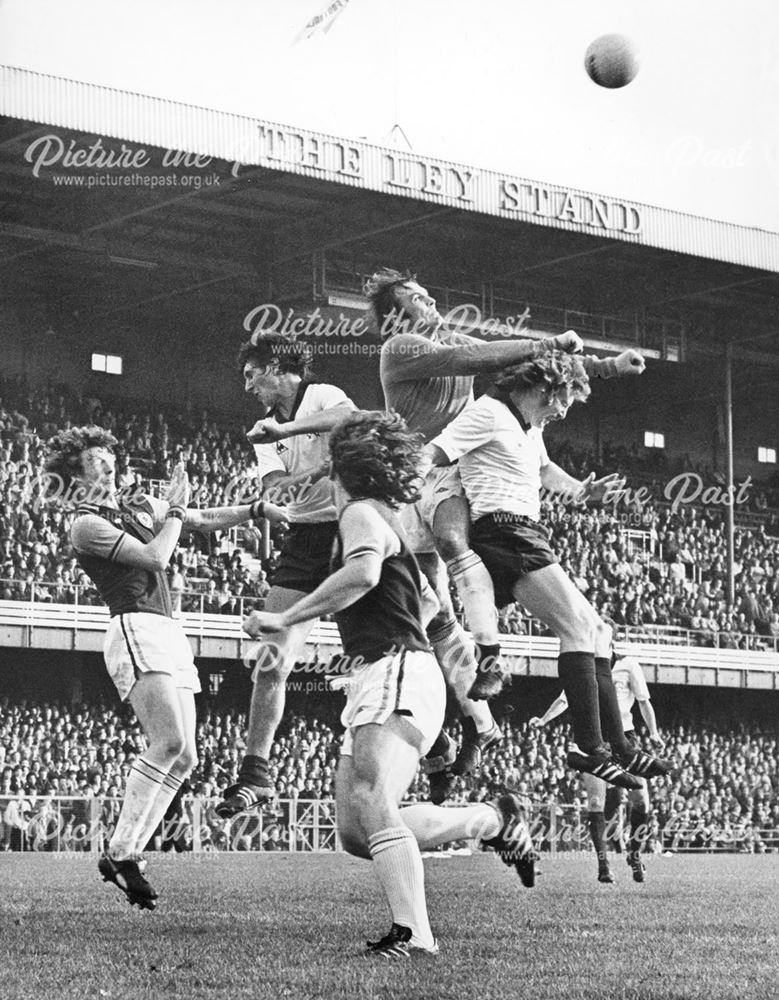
[611, 61]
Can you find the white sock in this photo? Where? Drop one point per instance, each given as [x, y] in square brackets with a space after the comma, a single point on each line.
[399, 869]
[165, 795]
[143, 784]
[474, 586]
[454, 652]
[434, 825]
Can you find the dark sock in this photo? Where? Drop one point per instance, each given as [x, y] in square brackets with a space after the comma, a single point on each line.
[488, 658]
[577, 675]
[612, 803]
[470, 735]
[639, 829]
[254, 770]
[611, 813]
[610, 715]
[597, 824]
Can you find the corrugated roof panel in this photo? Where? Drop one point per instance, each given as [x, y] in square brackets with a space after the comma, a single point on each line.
[152, 121]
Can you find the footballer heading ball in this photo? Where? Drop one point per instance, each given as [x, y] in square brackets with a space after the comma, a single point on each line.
[611, 61]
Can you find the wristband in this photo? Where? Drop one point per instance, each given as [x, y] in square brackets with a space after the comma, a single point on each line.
[257, 510]
[547, 344]
[178, 512]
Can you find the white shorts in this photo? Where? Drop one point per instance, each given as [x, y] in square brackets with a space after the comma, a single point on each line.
[141, 643]
[410, 683]
[441, 483]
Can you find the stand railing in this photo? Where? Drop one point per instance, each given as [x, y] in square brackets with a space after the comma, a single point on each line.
[81, 824]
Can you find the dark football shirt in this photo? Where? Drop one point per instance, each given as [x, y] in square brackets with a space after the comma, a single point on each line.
[98, 534]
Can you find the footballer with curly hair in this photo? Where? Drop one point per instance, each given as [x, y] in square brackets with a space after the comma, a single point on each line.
[395, 694]
[498, 443]
[124, 544]
[427, 373]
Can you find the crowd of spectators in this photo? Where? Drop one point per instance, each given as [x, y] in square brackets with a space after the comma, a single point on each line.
[211, 573]
[646, 563]
[725, 789]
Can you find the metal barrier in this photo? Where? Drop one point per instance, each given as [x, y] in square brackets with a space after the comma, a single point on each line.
[82, 824]
[36, 603]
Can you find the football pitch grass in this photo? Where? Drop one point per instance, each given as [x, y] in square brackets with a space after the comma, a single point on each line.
[280, 925]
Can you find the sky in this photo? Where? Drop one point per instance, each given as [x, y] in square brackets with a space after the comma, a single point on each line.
[491, 83]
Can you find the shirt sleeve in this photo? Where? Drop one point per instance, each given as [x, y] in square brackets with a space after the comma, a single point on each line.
[268, 459]
[322, 396]
[364, 532]
[409, 356]
[637, 680]
[474, 427]
[94, 536]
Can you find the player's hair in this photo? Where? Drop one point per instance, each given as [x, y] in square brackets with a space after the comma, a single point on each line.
[262, 349]
[65, 448]
[376, 457]
[554, 371]
[379, 290]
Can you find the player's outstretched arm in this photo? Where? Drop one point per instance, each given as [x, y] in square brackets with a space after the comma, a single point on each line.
[408, 357]
[558, 706]
[629, 362]
[322, 422]
[367, 541]
[221, 518]
[568, 488]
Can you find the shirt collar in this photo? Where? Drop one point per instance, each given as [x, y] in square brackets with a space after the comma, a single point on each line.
[504, 396]
[295, 406]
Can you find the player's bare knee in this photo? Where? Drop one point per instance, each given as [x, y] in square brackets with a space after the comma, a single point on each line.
[186, 761]
[353, 842]
[451, 542]
[271, 673]
[170, 746]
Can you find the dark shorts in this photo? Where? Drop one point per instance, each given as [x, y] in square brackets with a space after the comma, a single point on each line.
[510, 547]
[304, 561]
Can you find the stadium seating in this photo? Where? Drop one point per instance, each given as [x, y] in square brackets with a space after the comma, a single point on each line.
[663, 575]
[725, 792]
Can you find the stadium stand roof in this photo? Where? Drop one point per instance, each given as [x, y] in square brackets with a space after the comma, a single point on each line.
[257, 206]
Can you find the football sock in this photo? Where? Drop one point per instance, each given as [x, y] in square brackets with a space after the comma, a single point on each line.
[577, 675]
[474, 587]
[597, 825]
[611, 813]
[253, 771]
[475, 726]
[610, 715]
[398, 866]
[143, 785]
[454, 652]
[436, 825]
[170, 785]
[638, 822]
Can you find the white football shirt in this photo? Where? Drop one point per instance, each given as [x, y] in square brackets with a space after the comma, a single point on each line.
[295, 456]
[631, 686]
[500, 461]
